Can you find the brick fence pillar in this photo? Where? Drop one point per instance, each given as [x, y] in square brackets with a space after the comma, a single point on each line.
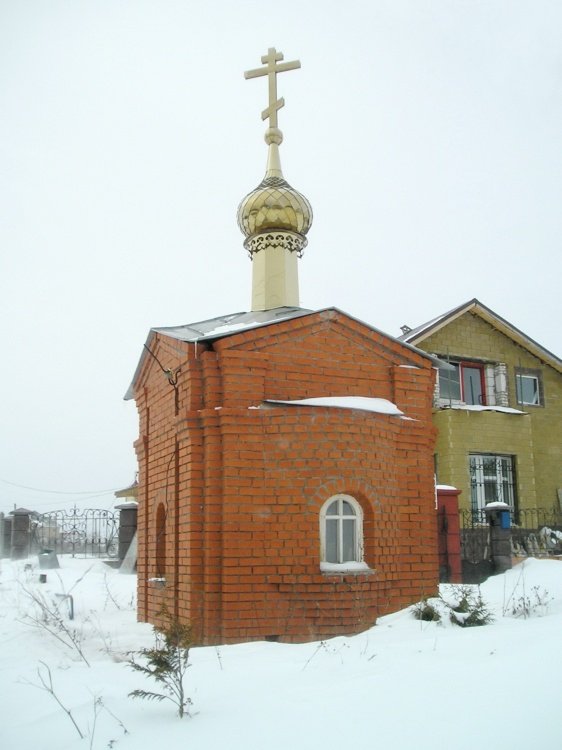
[2, 536]
[127, 526]
[449, 538]
[500, 535]
[21, 534]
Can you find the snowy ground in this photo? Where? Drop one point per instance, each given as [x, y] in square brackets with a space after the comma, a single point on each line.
[402, 684]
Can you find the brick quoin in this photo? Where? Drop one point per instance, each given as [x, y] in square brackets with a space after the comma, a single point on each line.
[231, 487]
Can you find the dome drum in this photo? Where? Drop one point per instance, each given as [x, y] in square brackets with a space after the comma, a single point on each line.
[291, 241]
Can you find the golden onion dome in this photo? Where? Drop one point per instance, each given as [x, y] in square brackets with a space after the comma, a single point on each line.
[274, 206]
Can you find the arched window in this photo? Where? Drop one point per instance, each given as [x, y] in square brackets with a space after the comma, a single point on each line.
[341, 530]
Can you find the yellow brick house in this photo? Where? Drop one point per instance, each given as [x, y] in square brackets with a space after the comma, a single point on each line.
[497, 408]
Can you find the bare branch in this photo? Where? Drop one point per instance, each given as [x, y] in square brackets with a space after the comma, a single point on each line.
[46, 681]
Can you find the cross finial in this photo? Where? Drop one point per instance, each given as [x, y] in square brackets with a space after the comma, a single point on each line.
[272, 67]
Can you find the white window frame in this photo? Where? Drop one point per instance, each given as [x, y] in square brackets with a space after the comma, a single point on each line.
[520, 374]
[357, 563]
[447, 375]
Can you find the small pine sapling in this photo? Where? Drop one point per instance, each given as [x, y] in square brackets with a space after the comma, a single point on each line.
[470, 610]
[166, 663]
[425, 610]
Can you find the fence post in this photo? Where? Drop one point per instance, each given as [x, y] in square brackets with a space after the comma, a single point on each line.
[7, 536]
[500, 535]
[449, 538]
[21, 534]
[127, 526]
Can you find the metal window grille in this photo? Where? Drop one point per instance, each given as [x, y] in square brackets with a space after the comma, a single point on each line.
[492, 479]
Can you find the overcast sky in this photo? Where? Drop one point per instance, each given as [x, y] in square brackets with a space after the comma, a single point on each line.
[425, 133]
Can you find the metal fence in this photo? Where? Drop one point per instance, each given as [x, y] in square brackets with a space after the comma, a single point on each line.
[83, 532]
[535, 532]
[475, 546]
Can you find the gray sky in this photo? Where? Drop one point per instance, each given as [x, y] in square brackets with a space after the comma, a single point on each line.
[425, 133]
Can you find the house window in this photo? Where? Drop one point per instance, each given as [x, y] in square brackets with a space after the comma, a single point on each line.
[463, 383]
[492, 479]
[449, 383]
[473, 389]
[341, 530]
[528, 387]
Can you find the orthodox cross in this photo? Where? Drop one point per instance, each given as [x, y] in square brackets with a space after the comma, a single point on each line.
[271, 61]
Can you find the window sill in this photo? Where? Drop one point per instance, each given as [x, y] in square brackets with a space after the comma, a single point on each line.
[479, 408]
[347, 567]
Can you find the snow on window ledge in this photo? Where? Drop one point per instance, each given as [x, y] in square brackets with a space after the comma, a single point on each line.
[460, 406]
[361, 403]
[346, 567]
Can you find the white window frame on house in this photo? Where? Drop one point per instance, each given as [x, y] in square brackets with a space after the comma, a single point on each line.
[492, 479]
[340, 515]
[528, 387]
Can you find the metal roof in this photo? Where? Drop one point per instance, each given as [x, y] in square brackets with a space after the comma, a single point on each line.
[219, 327]
[229, 325]
[225, 325]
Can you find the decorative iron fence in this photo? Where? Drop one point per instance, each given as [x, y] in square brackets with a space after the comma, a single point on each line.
[476, 558]
[88, 532]
[535, 532]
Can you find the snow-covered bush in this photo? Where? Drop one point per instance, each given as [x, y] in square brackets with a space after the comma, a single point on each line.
[427, 611]
[468, 608]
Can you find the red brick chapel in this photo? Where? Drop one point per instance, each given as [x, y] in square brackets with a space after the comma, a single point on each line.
[286, 486]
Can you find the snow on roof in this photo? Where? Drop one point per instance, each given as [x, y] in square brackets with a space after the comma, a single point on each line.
[233, 323]
[230, 327]
[363, 403]
[413, 333]
[478, 407]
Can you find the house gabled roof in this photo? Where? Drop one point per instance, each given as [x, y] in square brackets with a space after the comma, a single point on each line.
[229, 325]
[417, 335]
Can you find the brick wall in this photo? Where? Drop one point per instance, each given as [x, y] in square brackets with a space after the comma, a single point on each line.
[241, 488]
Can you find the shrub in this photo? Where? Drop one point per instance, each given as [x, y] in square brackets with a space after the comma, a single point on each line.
[166, 663]
[469, 609]
[537, 603]
[426, 611]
